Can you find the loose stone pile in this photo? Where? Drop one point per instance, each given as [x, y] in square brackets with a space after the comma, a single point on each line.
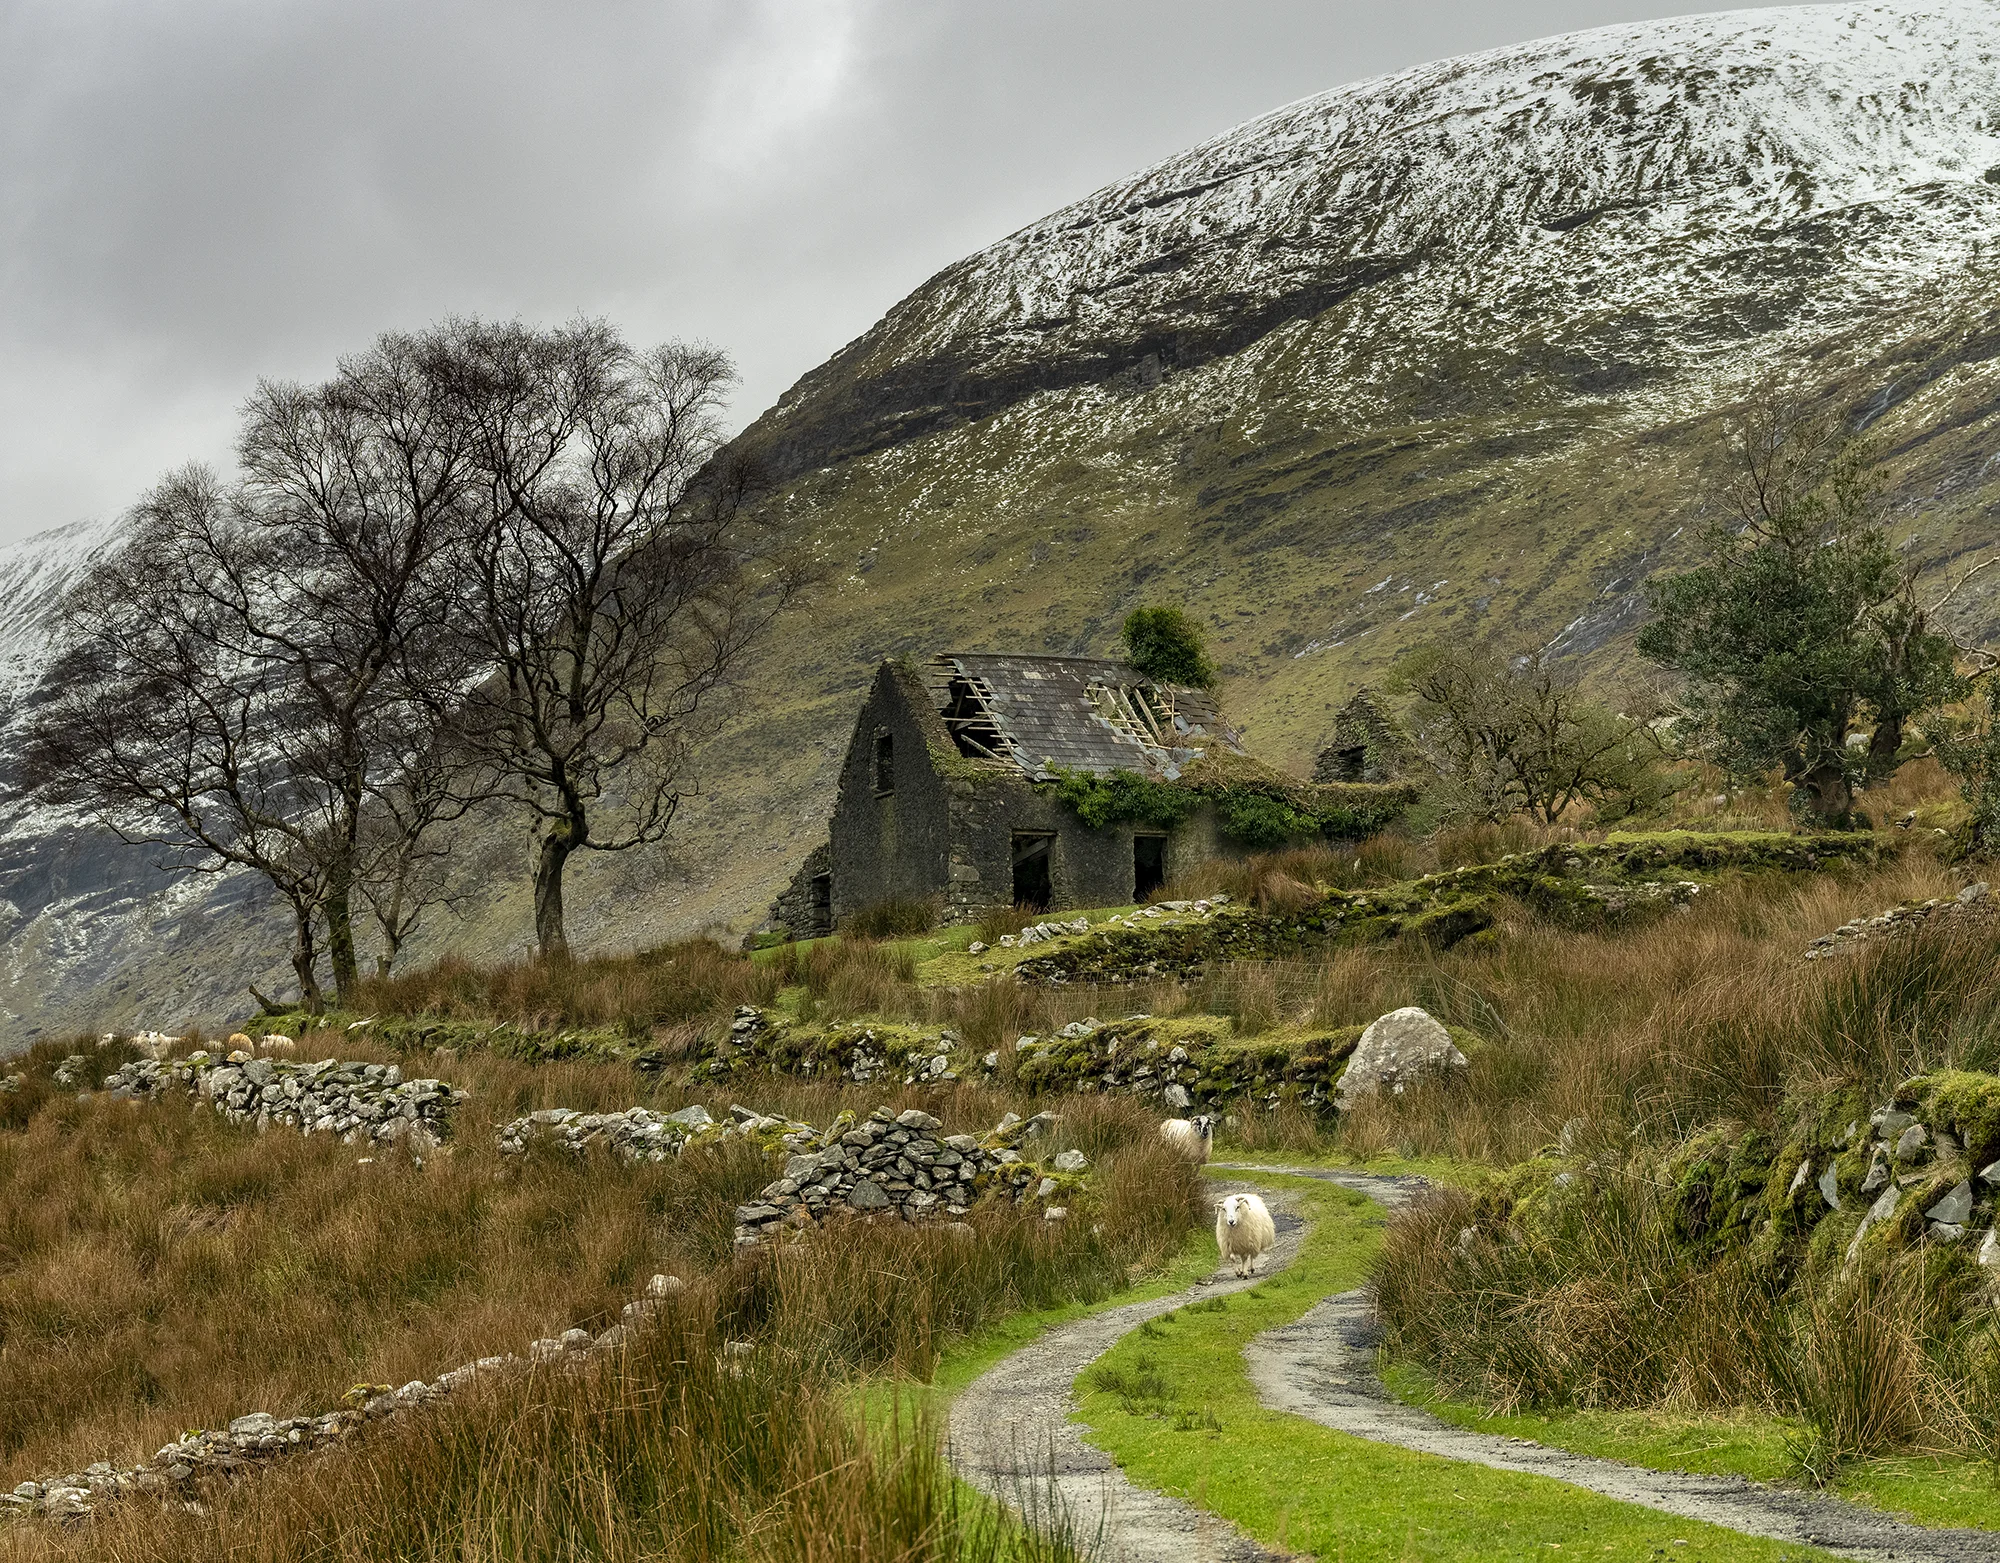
[640, 1134]
[257, 1439]
[1972, 900]
[899, 1165]
[359, 1102]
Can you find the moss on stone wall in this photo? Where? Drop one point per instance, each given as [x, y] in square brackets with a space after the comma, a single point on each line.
[1256, 806]
[1181, 1064]
[1594, 884]
[1835, 1187]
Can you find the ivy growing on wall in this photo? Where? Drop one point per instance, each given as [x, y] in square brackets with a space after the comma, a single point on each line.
[1259, 814]
[1123, 796]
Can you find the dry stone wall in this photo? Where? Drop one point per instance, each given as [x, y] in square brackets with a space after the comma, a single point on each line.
[258, 1439]
[1847, 1186]
[362, 1103]
[900, 1165]
[1587, 884]
[1971, 902]
[642, 1134]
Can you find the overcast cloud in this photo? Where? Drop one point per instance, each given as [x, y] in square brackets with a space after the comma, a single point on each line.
[194, 193]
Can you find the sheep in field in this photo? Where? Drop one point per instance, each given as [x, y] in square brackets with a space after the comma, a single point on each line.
[1194, 1138]
[1244, 1231]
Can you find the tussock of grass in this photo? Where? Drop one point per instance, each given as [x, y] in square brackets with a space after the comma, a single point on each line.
[677, 982]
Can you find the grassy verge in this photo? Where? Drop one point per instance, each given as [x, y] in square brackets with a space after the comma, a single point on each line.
[1173, 1405]
[1931, 1489]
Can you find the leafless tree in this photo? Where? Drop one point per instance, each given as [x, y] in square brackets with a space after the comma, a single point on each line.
[1510, 734]
[615, 577]
[157, 724]
[294, 631]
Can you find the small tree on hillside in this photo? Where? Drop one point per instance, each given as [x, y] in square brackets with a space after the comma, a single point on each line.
[1800, 627]
[1506, 735]
[1166, 644]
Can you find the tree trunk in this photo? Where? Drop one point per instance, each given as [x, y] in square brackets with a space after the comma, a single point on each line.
[557, 845]
[1883, 746]
[340, 943]
[305, 960]
[1832, 800]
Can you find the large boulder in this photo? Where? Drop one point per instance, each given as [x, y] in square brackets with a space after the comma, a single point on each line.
[1396, 1050]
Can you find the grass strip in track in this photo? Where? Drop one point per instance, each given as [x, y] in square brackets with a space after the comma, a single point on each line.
[1930, 1489]
[1174, 1406]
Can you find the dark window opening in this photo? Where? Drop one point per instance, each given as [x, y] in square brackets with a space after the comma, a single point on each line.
[1149, 865]
[1034, 891]
[1348, 764]
[885, 764]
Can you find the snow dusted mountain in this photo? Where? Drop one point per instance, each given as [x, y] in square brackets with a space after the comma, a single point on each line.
[1615, 205]
[1445, 353]
[34, 572]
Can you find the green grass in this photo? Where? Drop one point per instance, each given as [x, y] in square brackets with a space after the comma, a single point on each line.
[1437, 1169]
[1197, 1430]
[1931, 1489]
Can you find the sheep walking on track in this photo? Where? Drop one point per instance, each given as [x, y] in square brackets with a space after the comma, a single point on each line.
[1244, 1231]
[1194, 1138]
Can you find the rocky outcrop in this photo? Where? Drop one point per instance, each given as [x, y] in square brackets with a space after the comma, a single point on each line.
[362, 1103]
[900, 1165]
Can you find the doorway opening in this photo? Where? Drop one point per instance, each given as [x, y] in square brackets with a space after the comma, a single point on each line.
[1149, 865]
[819, 890]
[1034, 890]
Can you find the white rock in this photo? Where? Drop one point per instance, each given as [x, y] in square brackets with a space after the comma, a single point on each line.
[1395, 1050]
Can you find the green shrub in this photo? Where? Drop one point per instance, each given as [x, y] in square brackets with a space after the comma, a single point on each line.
[1165, 644]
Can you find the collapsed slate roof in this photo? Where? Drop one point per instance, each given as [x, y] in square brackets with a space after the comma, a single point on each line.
[1032, 715]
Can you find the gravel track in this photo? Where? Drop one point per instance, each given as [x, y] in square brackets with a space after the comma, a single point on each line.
[1010, 1435]
[1322, 1368]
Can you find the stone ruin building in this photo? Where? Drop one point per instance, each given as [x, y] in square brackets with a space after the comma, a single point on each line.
[1366, 745]
[938, 798]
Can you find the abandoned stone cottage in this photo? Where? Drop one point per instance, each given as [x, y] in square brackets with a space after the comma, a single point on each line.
[938, 798]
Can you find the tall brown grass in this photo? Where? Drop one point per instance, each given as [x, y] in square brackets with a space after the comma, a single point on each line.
[677, 982]
[167, 1269]
[1598, 1301]
[669, 1450]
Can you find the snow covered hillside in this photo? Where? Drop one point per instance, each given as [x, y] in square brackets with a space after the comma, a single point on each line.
[1641, 198]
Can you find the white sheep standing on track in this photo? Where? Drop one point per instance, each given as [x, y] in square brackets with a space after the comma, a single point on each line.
[1194, 1138]
[1244, 1231]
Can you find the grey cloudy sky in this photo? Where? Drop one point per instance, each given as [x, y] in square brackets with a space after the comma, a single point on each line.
[194, 193]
